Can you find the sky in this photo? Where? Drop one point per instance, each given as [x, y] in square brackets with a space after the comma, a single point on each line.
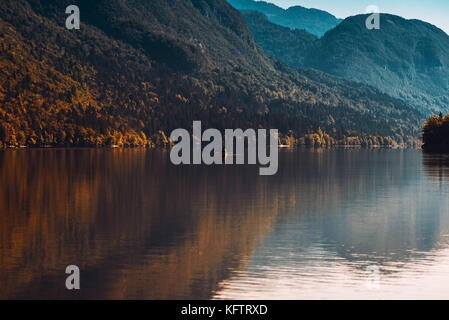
[435, 12]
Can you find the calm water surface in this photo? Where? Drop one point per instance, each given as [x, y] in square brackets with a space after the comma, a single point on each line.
[339, 224]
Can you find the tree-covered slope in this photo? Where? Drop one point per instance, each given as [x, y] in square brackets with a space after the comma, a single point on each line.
[406, 59]
[289, 46]
[138, 69]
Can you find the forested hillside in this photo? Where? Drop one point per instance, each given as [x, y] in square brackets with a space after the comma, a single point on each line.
[289, 46]
[406, 59]
[138, 69]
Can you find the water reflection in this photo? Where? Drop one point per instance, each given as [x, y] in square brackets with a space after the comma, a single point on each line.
[139, 227]
[136, 226]
[372, 209]
[436, 165]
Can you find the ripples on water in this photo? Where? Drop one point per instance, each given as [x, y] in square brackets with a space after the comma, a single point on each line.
[139, 227]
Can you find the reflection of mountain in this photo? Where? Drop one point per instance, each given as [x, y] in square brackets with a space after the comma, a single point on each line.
[289, 46]
[136, 70]
[314, 21]
[136, 226]
[406, 58]
[141, 228]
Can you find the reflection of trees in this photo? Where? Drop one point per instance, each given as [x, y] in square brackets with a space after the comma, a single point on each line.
[435, 134]
[137, 226]
[141, 228]
[368, 206]
[436, 165]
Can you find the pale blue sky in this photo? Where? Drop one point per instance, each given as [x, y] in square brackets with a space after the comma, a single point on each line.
[432, 11]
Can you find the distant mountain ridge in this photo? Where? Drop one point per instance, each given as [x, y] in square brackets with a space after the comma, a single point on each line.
[406, 59]
[314, 21]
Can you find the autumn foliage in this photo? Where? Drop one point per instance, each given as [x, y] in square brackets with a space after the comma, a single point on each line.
[436, 133]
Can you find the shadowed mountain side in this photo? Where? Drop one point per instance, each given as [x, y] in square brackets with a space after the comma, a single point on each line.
[405, 58]
[102, 214]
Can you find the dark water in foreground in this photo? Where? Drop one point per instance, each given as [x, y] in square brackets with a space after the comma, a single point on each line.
[332, 224]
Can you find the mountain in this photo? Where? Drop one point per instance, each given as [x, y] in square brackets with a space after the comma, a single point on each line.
[406, 59]
[139, 69]
[315, 21]
[291, 46]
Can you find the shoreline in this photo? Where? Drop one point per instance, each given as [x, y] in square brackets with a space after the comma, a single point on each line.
[281, 147]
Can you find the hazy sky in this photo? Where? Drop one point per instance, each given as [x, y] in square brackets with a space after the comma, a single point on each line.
[432, 11]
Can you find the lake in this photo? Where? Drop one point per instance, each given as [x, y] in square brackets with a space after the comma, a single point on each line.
[332, 224]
